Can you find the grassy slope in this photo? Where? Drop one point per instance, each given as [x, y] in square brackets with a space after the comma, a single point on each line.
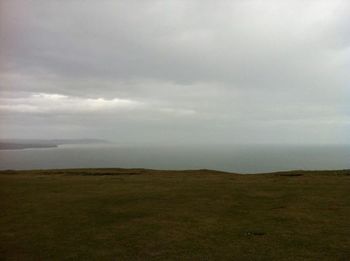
[162, 215]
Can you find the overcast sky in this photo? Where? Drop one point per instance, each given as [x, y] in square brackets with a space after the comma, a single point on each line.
[170, 72]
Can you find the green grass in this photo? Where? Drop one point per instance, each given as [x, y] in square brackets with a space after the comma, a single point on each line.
[118, 214]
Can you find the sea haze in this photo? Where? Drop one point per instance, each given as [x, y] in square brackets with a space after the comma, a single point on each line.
[233, 158]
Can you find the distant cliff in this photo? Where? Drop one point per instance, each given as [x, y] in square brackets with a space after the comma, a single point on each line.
[17, 144]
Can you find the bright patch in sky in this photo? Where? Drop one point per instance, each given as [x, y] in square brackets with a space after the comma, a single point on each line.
[57, 103]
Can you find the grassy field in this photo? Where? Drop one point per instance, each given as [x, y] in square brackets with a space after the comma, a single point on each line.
[136, 214]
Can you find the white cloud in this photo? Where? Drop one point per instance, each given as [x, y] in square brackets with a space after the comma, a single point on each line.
[57, 103]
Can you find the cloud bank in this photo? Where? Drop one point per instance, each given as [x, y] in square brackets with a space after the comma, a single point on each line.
[176, 71]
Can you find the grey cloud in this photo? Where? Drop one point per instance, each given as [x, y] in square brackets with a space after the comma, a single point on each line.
[240, 68]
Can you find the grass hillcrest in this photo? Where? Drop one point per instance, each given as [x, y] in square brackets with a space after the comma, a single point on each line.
[141, 214]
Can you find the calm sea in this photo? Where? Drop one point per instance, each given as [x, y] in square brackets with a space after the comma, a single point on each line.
[240, 158]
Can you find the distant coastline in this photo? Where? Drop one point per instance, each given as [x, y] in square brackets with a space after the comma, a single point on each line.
[19, 144]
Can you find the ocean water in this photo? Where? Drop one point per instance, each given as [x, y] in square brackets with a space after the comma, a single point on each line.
[239, 158]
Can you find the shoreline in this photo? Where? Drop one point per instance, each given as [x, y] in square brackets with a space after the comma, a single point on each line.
[140, 171]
